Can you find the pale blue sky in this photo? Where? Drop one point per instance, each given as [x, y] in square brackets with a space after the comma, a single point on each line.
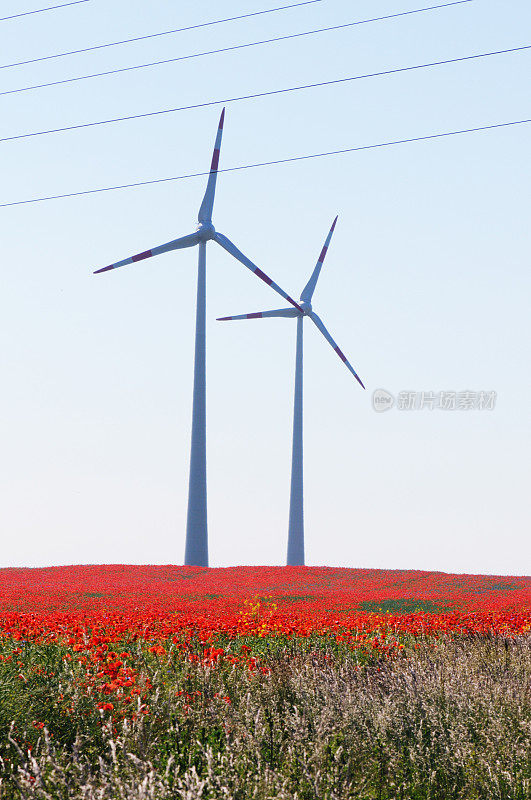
[425, 287]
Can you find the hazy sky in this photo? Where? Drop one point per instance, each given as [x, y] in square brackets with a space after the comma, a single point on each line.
[425, 287]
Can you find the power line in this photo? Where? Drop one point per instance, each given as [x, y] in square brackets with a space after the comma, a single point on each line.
[256, 95]
[227, 49]
[40, 10]
[154, 35]
[270, 163]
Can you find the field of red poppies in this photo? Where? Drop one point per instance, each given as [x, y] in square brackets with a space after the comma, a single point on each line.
[319, 592]
[161, 600]
[206, 676]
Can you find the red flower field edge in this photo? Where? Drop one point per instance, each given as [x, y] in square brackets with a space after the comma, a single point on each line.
[82, 632]
[87, 608]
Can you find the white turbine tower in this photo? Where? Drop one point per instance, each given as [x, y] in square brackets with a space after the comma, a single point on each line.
[196, 551]
[295, 554]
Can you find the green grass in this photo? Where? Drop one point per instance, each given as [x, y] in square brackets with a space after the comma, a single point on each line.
[442, 720]
[404, 605]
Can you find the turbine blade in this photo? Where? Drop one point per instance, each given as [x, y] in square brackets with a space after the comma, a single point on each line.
[176, 244]
[319, 323]
[309, 289]
[205, 211]
[233, 250]
[279, 312]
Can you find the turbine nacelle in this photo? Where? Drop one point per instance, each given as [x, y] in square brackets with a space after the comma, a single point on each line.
[205, 231]
[306, 307]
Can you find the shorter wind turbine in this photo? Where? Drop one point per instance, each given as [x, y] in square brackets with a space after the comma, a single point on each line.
[295, 556]
[196, 550]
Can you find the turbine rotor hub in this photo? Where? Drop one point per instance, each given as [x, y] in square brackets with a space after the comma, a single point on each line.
[206, 231]
[306, 306]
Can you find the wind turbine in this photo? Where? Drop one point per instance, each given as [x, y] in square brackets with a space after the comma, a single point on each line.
[295, 556]
[196, 550]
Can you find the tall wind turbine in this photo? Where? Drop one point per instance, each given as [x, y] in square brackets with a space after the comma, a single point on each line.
[196, 551]
[295, 556]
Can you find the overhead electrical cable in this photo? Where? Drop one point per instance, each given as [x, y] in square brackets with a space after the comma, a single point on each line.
[270, 163]
[160, 33]
[255, 95]
[40, 10]
[222, 50]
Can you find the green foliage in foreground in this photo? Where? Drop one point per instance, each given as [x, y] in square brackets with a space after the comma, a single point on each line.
[434, 723]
